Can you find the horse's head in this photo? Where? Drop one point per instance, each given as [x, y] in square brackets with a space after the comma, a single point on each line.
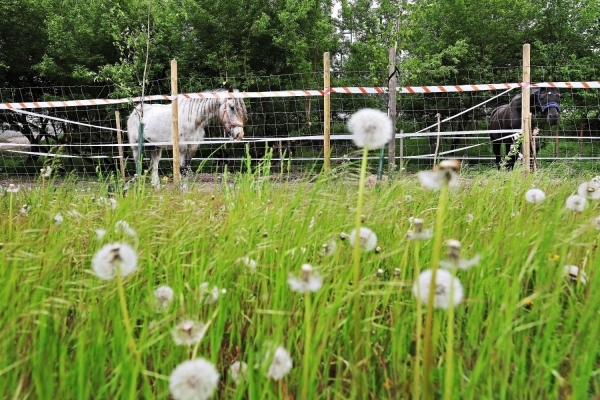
[548, 99]
[234, 116]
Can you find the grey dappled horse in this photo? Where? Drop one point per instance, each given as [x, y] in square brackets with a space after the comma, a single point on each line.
[508, 116]
[194, 116]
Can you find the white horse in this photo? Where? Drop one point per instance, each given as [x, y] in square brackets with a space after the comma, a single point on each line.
[194, 116]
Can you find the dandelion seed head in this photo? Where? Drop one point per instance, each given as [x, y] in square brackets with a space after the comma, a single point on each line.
[45, 172]
[100, 233]
[12, 188]
[24, 210]
[344, 236]
[58, 219]
[370, 128]
[443, 173]
[328, 249]
[575, 274]
[444, 283]
[248, 262]
[163, 296]
[589, 190]
[397, 272]
[194, 380]
[238, 371]
[470, 218]
[188, 332]
[368, 238]
[123, 226]
[535, 195]
[596, 223]
[111, 256]
[281, 364]
[576, 203]
[308, 281]
[208, 296]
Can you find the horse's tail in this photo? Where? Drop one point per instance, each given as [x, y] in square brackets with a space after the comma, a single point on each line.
[133, 123]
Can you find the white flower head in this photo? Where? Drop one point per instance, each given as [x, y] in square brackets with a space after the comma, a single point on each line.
[12, 188]
[589, 190]
[444, 282]
[238, 371]
[188, 332]
[575, 274]
[328, 249]
[163, 296]
[535, 195]
[470, 218]
[58, 219]
[419, 232]
[24, 210]
[46, 171]
[113, 256]
[110, 202]
[208, 296]
[596, 223]
[248, 262]
[281, 364]
[453, 257]
[444, 172]
[368, 238]
[100, 233]
[123, 226]
[370, 128]
[194, 380]
[309, 281]
[576, 202]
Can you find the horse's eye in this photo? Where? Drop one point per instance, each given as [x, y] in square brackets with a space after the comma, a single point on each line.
[231, 107]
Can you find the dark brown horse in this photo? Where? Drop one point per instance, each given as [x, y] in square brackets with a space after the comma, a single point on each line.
[508, 116]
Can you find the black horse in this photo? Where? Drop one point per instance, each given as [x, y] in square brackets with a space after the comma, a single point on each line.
[508, 116]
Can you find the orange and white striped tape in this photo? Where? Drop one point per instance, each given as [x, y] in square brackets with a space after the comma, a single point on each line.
[300, 93]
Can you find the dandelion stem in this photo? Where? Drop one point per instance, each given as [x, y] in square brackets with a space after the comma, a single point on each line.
[435, 260]
[356, 310]
[128, 329]
[450, 343]
[208, 323]
[419, 328]
[10, 215]
[307, 345]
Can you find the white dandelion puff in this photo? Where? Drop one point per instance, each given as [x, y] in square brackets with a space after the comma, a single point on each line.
[308, 281]
[238, 371]
[188, 332]
[370, 128]
[328, 249]
[444, 283]
[58, 219]
[444, 173]
[576, 203]
[163, 296]
[535, 195]
[596, 223]
[470, 218]
[123, 226]
[24, 210]
[110, 202]
[575, 274]
[208, 296]
[248, 262]
[12, 188]
[453, 257]
[46, 172]
[419, 232]
[589, 190]
[368, 238]
[281, 364]
[100, 233]
[194, 380]
[111, 256]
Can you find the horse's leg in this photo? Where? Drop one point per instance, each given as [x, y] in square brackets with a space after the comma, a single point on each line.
[497, 146]
[155, 155]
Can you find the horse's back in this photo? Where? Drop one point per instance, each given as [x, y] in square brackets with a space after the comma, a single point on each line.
[157, 123]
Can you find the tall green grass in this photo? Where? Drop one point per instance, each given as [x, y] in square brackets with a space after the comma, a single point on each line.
[524, 330]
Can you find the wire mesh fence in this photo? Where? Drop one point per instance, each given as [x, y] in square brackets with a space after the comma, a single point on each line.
[82, 140]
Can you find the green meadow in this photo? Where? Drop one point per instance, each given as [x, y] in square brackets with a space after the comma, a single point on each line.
[525, 329]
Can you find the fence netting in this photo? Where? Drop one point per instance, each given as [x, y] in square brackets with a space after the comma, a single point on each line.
[82, 139]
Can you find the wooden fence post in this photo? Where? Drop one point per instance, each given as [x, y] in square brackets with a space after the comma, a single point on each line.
[175, 122]
[120, 142]
[392, 112]
[326, 110]
[525, 112]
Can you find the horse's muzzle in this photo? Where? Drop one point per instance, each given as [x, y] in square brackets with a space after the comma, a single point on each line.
[237, 133]
[553, 118]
